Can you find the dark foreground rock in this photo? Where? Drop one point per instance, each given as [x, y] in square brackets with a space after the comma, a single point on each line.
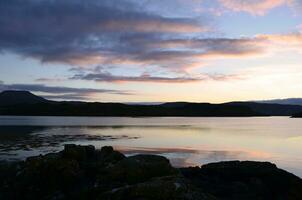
[245, 180]
[82, 172]
[297, 115]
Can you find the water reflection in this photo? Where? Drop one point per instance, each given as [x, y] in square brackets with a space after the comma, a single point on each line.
[183, 157]
[17, 142]
[185, 141]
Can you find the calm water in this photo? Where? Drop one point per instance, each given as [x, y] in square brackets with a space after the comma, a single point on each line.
[185, 141]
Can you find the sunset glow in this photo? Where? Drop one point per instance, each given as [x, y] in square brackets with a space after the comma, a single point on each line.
[152, 51]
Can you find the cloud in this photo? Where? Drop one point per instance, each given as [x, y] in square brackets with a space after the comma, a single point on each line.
[123, 33]
[259, 7]
[182, 53]
[255, 7]
[295, 4]
[49, 80]
[120, 32]
[68, 97]
[80, 32]
[51, 89]
[57, 92]
[107, 77]
[160, 25]
[217, 46]
[283, 42]
[291, 38]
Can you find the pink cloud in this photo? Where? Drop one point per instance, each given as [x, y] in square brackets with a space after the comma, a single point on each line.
[255, 7]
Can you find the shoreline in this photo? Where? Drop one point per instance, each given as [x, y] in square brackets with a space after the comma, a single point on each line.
[82, 172]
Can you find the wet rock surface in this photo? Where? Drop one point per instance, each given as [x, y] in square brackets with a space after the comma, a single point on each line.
[82, 172]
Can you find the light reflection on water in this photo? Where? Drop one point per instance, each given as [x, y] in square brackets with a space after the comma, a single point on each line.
[186, 141]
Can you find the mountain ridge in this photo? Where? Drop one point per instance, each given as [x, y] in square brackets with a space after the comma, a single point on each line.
[286, 101]
[26, 103]
[13, 97]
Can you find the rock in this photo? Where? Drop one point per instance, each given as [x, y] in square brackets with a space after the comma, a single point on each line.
[37, 181]
[86, 154]
[174, 188]
[81, 172]
[139, 168]
[245, 180]
[108, 155]
[78, 152]
[107, 150]
[44, 176]
[8, 172]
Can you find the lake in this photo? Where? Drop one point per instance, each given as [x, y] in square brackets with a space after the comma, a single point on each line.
[185, 141]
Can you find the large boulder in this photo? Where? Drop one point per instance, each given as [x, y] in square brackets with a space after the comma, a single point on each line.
[44, 176]
[108, 155]
[245, 180]
[138, 168]
[78, 152]
[86, 154]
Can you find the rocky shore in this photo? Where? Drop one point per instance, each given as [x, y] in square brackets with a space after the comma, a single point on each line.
[82, 172]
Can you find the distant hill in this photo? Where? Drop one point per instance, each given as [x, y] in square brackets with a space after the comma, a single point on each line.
[290, 101]
[19, 97]
[297, 115]
[26, 103]
[118, 109]
[270, 109]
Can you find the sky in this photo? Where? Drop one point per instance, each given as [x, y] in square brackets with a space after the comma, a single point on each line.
[152, 50]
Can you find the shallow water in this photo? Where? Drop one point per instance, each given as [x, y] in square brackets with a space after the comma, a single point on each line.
[185, 141]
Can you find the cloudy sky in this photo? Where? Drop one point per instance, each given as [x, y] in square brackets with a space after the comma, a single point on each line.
[152, 50]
